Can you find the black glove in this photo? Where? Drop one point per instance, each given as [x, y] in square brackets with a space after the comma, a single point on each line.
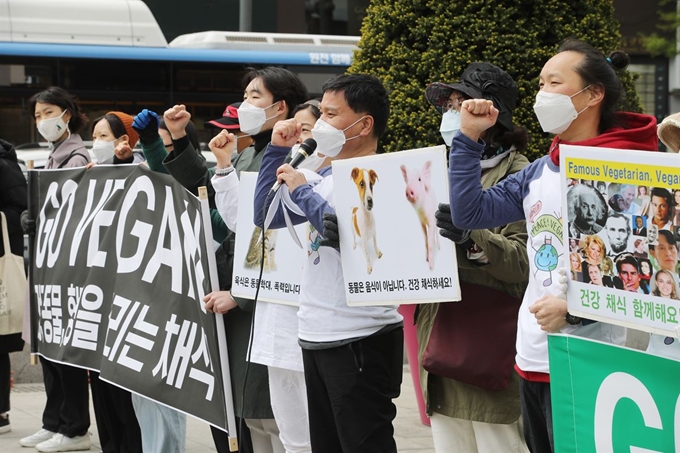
[448, 230]
[27, 223]
[331, 238]
[146, 125]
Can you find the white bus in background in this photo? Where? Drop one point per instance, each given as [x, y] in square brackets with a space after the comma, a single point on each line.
[113, 55]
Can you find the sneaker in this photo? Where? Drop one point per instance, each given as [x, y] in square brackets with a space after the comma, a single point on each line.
[59, 442]
[35, 439]
[5, 427]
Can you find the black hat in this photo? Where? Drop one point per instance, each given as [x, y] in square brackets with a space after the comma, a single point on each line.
[480, 81]
[229, 119]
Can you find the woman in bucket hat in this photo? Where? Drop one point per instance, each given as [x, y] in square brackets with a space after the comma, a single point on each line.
[466, 416]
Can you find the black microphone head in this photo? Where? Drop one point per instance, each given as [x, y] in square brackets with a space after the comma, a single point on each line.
[309, 146]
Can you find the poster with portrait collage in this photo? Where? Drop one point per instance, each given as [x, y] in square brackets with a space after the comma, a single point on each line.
[623, 219]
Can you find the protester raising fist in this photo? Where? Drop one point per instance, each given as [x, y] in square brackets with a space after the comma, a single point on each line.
[176, 119]
[223, 146]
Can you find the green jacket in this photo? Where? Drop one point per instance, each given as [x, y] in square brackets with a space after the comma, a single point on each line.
[190, 170]
[155, 153]
[507, 270]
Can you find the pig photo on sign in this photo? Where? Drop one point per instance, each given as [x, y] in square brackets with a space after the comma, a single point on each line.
[363, 220]
[421, 197]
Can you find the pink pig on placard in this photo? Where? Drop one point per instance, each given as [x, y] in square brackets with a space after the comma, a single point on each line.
[419, 193]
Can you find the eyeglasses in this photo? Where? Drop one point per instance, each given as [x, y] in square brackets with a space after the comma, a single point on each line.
[453, 104]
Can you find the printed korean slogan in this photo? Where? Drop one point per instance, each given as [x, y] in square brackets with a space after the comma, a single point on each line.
[390, 245]
[119, 275]
[607, 398]
[283, 258]
[622, 212]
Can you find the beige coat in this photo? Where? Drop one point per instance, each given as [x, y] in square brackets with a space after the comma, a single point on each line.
[507, 270]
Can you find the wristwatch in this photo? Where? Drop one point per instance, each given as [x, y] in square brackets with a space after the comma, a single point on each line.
[573, 320]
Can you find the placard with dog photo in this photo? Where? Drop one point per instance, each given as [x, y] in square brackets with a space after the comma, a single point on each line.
[283, 258]
[390, 246]
[621, 209]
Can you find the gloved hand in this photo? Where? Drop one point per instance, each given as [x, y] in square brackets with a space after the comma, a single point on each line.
[330, 231]
[146, 125]
[27, 223]
[448, 230]
[563, 281]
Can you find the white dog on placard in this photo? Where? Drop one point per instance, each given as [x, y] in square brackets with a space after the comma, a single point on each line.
[421, 197]
[363, 220]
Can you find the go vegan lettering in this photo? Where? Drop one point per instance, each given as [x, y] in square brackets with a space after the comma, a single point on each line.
[616, 387]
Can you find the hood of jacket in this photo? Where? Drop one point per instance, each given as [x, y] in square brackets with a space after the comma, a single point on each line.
[637, 132]
[7, 151]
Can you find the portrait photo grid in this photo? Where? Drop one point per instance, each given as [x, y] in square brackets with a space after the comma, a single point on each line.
[623, 225]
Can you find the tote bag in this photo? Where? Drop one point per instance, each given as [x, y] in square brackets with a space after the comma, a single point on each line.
[473, 341]
[12, 286]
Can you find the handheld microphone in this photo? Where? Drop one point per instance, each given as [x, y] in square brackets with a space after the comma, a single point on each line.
[306, 149]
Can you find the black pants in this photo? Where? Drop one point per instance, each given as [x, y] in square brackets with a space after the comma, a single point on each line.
[116, 420]
[537, 415]
[4, 382]
[67, 408]
[349, 392]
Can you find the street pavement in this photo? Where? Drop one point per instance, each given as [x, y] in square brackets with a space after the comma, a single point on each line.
[28, 401]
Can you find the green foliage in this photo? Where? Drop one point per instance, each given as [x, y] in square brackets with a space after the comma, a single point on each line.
[411, 43]
[664, 43]
[658, 45]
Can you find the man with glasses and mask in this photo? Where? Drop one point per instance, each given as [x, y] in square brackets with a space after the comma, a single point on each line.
[353, 356]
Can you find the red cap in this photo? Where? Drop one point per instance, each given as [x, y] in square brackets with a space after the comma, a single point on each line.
[229, 118]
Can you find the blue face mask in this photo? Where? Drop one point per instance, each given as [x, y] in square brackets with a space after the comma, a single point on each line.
[449, 126]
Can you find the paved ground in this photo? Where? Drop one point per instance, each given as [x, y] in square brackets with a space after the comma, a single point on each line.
[28, 401]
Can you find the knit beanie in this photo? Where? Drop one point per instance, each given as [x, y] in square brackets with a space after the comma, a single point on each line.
[127, 123]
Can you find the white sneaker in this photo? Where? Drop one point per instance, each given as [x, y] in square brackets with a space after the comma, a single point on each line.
[59, 442]
[35, 439]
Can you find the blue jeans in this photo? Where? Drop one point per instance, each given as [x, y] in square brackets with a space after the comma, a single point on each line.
[164, 430]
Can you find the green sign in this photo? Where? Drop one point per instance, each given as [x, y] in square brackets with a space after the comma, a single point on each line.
[609, 399]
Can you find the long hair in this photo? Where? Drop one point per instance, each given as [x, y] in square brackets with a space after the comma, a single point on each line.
[674, 291]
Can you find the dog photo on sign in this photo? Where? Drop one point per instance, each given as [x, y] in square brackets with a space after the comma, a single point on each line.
[389, 243]
[363, 221]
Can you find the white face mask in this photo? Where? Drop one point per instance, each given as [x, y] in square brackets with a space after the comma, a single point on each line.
[52, 128]
[103, 151]
[329, 139]
[312, 163]
[449, 126]
[555, 111]
[252, 118]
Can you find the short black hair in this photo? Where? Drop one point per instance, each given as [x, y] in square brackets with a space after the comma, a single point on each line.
[665, 194]
[65, 101]
[283, 84]
[670, 238]
[364, 94]
[313, 109]
[116, 125]
[626, 258]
